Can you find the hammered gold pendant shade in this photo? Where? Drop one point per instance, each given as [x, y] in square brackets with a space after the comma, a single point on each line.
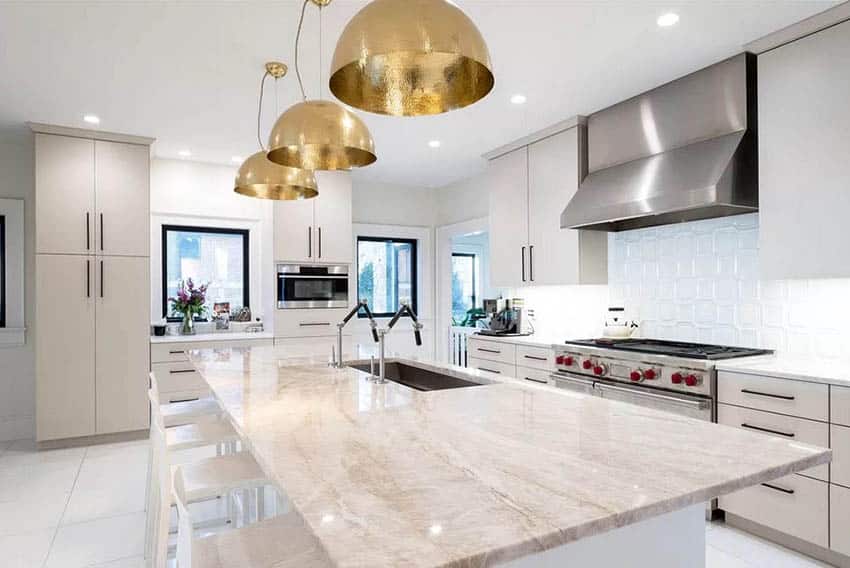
[258, 177]
[320, 135]
[411, 58]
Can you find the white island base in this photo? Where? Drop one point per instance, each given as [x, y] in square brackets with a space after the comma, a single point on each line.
[672, 540]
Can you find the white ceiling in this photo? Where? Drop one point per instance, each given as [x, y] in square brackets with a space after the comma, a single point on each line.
[188, 73]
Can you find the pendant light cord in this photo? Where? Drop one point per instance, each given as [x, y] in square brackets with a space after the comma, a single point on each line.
[260, 110]
[297, 41]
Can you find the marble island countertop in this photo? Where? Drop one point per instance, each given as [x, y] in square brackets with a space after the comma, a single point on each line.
[385, 475]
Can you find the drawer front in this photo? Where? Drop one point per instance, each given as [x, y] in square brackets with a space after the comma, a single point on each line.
[176, 377]
[308, 323]
[169, 352]
[795, 398]
[533, 375]
[492, 366]
[492, 351]
[839, 519]
[840, 401]
[535, 357]
[840, 438]
[793, 504]
[787, 427]
[181, 396]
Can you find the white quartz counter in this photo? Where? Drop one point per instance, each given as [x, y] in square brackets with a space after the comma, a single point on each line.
[810, 368]
[215, 336]
[533, 340]
[389, 476]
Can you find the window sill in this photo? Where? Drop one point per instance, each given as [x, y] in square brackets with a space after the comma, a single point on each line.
[12, 336]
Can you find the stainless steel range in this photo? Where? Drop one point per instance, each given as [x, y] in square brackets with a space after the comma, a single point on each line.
[668, 375]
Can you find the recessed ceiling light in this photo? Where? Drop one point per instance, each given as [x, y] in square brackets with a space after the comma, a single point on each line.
[434, 143]
[237, 159]
[184, 153]
[91, 119]
[668, 19]
[518, 99]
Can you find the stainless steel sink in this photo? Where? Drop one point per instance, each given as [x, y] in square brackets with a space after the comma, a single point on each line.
[416, 378]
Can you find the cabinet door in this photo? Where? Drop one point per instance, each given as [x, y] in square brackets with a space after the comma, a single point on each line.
[64, 198]
[122, 198]
[507, 178]
[804, 120]
[123, 343]
[839, 519]
[293, 230]
[334, 233]
[65, 337]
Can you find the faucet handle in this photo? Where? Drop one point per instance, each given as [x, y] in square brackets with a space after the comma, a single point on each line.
[418, 336]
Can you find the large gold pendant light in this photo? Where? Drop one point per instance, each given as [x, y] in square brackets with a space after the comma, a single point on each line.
[319, 134]
[261, 178]
[411, 58]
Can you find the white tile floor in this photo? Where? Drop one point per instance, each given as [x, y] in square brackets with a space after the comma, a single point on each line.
[84, 507]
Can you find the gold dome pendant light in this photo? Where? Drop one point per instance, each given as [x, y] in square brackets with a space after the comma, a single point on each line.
[411, 58]
[261, 178]
[319, 134]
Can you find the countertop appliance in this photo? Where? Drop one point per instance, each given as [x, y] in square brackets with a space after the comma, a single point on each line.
[683, 151]
[508, 318]
[302, 286]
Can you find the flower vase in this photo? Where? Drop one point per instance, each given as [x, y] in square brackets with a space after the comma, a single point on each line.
[188, 326]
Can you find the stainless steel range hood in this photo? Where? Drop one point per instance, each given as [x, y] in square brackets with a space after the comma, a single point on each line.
[684, 151]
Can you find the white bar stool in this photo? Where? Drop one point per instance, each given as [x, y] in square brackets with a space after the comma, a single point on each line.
[187, 412]
[281, 542]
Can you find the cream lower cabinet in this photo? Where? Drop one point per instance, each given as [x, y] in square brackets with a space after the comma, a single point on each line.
[65, 338]
[839, 519]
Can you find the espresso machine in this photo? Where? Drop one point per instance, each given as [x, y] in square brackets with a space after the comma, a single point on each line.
[506, 317]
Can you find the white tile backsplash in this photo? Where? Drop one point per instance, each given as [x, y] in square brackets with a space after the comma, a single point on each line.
[700, 281]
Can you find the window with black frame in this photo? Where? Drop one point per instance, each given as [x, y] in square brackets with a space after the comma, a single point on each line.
[214, 256]
[386, 273]
[465, 280]
[2, 271]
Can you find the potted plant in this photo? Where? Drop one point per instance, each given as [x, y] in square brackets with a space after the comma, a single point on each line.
[189, 302]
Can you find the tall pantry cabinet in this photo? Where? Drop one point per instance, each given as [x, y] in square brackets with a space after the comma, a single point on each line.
[92, 225]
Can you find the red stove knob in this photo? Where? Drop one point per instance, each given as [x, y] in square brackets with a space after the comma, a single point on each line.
[649, 374]
[599, 370]
[676, 378]
[692, 380]
[587, 364]
[636, 376]
[559, 360]
[568, 361]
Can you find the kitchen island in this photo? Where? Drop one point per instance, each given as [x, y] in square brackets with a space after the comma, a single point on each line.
[504, 472]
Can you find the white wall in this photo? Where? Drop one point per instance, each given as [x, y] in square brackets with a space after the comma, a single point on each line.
[194, 193]
[462, 200]
[17, 364]
[389, 204]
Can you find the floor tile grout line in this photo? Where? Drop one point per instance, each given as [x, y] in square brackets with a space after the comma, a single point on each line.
[65, 509]
[119, 560]
[102, 518]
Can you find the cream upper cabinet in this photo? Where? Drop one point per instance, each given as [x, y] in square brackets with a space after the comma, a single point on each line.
[64, 178]
[507, 181]
[560, 256]
[122, 198]
[318, 229]
[332, 218]
[65, 333]
[804, 121]
[293, 230]
[122, 346]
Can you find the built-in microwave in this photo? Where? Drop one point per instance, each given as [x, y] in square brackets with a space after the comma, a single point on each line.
[302, 286]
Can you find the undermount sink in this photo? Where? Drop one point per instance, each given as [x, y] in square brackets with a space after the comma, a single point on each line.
[416, 378]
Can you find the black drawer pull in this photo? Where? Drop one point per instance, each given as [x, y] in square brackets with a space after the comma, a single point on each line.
[536, 380]
[182, 371]
[176, 352]
[176, 400]
[777, 488]
[768, 430]
[485, 350]
[489, 370]
[535, 358]
[309, 324]
[767, 394]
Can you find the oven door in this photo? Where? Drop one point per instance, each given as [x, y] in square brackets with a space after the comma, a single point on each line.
[682, 404]
[573, 383]
[312, 291]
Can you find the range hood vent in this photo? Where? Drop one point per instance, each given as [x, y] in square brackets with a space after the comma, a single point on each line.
[684, 151]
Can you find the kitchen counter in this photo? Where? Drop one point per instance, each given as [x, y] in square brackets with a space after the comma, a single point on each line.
[533, 340]
[215, 336]
[388, 476]
[812, 369]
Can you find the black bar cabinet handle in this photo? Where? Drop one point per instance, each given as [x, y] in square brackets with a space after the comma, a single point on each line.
[485, 350]
[777, 488]
[101, 279]
[309, 242]
[779, 396]
[101, 231]
[176, 352]
[768, 430]
[489, 370]
[535, 358]
[531, 262]
[182, 371]
[88, 279]
[88, 231]
[536, 380]
[320, 242]
[523, 264]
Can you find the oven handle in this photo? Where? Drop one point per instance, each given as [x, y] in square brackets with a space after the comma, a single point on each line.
[283, 275]
[585, 382]
[699, 404]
